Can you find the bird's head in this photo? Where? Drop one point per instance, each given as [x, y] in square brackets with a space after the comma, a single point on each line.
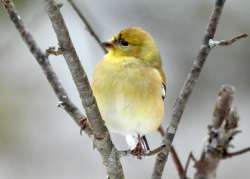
[132, 42]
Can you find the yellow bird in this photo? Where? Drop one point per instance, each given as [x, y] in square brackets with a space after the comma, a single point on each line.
[129, 86]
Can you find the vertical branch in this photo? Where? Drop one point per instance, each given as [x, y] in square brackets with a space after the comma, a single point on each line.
[187, 88]
[102, 140]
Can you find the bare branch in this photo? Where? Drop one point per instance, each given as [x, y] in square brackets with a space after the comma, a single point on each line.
[190, 157]
[102, 140]
[155, 151]
[125, 153]
[222, 130]
[88, 26]
[214, 43]
[54, 51]
[187, 88]
[233, 154]
[44, 63]
[220, 134]
[178, 165]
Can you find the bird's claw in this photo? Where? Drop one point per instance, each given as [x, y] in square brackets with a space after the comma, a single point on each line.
[138, 151]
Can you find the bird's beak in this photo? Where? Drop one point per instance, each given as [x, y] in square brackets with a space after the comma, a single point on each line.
[108, 45]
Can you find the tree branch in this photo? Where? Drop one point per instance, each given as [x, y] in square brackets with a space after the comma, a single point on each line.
[102, 139]
[44, 63]
[125, 153]
[54, 51]
[187, 88]
[213, 43]
[233, 154]
[190, 157]
[87, 24]
[179, 167]
[220, 134]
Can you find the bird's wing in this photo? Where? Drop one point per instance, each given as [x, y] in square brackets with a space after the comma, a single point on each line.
[162, 78]
[163, 86]
[164, 81]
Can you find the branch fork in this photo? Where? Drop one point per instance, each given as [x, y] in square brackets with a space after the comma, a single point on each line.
[221, 132]
[213, 43]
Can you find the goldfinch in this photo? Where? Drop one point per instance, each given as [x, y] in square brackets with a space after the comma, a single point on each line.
[129, 85]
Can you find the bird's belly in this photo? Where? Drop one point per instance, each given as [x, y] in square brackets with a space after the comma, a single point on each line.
[137, 113]
[134, 122]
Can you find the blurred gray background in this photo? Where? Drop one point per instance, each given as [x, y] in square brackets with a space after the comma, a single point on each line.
[39, 140]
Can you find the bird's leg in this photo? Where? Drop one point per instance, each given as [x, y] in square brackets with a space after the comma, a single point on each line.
[145, 143]
[139, 150]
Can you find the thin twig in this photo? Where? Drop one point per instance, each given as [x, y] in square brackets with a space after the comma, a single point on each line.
[187, 88]
[190, 157]
[177, 162]
[155, 151]
[214, 43]
[233, 154]
[44, 63]
[102, 139]
[54, 51]
[125, 153]
[88, 26]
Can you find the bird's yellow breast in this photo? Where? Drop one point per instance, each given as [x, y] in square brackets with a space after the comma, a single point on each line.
[129, 95]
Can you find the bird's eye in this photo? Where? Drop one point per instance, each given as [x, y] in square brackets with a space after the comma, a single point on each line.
[123, 42]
